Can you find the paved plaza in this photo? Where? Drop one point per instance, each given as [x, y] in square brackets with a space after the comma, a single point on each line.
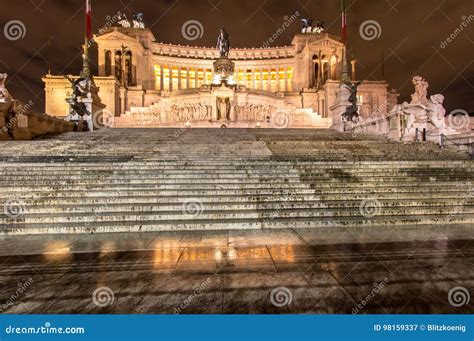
[333, 270]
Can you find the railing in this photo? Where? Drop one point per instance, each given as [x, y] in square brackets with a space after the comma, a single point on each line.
[443, 139]
[442, 143]
[423, 134]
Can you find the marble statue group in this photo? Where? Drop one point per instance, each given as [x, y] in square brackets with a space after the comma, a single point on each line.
[137, 21]
[4, 94]
[421, 112]
[308, 26]
[80, 89]
[352, 112]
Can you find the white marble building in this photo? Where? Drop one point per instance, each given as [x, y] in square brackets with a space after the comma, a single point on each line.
[146, 83]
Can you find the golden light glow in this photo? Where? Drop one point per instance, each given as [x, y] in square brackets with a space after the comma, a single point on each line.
[57, 251]
[264, 79]
[200, 77]
[164, 257]
[174, 78]
[107, 248]
[290, 78]
[192, 78]
[284, 253]
[184, 76]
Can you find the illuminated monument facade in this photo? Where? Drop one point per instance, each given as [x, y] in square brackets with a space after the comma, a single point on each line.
[148, 84]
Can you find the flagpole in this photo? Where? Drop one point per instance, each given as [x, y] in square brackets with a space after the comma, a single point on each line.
[344, 22]
[345, 77]
[86, 72]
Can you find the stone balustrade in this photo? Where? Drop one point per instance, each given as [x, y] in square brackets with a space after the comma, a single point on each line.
[18, 122]
[211, 52]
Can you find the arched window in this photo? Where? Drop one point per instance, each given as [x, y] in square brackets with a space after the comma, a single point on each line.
[324, 69]
[334, 67]
[316, 72]
[108, 63]
[118, 65]
[129, 68]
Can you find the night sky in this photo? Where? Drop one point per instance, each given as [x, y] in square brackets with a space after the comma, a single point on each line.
[411, 35]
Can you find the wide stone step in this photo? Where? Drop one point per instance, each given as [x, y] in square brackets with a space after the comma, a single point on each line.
[22, 193]
[244, 163]
[432, 176]
[74, 172]
[137, 206]
[182, 225]
[235, 170]
[237, 184]
[203, 161]
[136, 200]
[197, 211]
[375, 221]
[231, 177]
[153, 199]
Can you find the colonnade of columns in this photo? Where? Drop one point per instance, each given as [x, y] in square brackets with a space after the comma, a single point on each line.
[173, 78]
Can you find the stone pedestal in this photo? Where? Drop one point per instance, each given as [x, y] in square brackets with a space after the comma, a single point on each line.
[94, 108]
[339, 107]
[21, 131]
[224, 72]
[395, 126]
[123, 101]
[93, 105]
[3, 125]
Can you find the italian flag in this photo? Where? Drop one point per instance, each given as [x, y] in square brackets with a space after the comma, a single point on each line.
[88, 20]
[344, 22]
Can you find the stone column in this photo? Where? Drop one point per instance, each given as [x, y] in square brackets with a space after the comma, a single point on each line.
[261, 79]
[112, 72]
[328, 76]
[204, 76]
[179, 78]
[101, 57]
[214, 109]
[336, 67]
[278, 78]
[329, 67]
[162, 78]
[171, 77]
[353, 63]
[286, 78]
[269, 77]
[187, 77]
[123, 100]
[254, 80]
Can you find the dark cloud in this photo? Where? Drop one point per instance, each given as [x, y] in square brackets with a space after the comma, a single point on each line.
[411, 36]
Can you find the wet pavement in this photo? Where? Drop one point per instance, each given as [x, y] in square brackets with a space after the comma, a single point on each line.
[325, 270]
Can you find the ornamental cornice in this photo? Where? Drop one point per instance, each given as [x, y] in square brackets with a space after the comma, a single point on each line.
[208, 63]
[181, 51]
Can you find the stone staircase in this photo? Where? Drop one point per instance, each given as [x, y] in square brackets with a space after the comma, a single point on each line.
[121, 180]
